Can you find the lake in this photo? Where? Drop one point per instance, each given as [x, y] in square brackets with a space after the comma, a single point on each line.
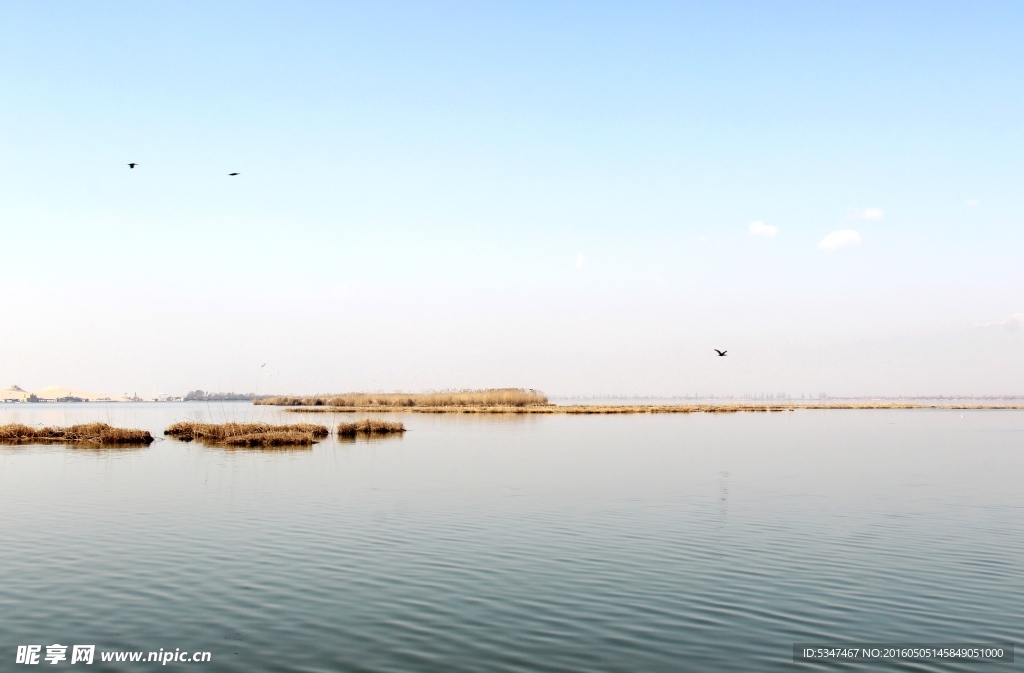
[692, 542]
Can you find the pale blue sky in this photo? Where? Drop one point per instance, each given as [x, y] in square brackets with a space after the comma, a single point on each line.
[550, 195]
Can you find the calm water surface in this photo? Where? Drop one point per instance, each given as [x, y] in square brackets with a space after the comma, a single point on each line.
[474, 543]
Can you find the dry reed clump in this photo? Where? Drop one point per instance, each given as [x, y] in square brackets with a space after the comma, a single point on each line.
[370, 426]
[493, 397]
[85, 433]
[248, 434]
[269, 439]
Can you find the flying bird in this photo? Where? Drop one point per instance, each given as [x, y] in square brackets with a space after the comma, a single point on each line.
[132, 165]
[721, 354]
[232, 173]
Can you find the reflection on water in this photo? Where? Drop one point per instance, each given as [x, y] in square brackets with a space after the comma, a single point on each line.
[282, 448]
[490, 543]
[369, 439]
[82, 446]
[105, 448]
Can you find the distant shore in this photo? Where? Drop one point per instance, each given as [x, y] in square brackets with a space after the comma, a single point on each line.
[530, 401]
[526, 401]
[488, 397]
[724, 408]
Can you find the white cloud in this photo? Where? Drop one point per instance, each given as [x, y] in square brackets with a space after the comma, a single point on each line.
[759, 228]
[872, 214]
[839, 239]
[1014, 322]
[579, 261]
[973, 203]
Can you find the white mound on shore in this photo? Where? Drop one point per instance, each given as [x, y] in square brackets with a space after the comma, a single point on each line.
[13, 394]
[58, 392]
[53, 393]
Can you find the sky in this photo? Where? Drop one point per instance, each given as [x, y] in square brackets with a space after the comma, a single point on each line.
[584, 198]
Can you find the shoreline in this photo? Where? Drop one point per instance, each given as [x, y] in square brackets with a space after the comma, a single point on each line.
[593, 409]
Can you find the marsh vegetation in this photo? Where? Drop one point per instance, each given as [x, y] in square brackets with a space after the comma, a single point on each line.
[370, 427]
[492, 397]
[85, 433]
[248, 434]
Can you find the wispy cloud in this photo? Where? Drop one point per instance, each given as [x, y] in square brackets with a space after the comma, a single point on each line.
[579, 261]
[871, 214]
[1014, 322]
[839, 239]
[759, 228]
[973, 203]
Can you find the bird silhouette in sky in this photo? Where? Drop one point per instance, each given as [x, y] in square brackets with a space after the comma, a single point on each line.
[721, 354]
[232, 173]
[132, 165]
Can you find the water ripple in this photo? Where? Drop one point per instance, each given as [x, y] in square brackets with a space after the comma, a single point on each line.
[565, 544]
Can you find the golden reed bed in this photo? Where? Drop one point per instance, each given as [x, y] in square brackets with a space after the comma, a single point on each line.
[370, 427]
[500, 397]
[85, 433]
[248, 434]
[266, 435]
[640, 408]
